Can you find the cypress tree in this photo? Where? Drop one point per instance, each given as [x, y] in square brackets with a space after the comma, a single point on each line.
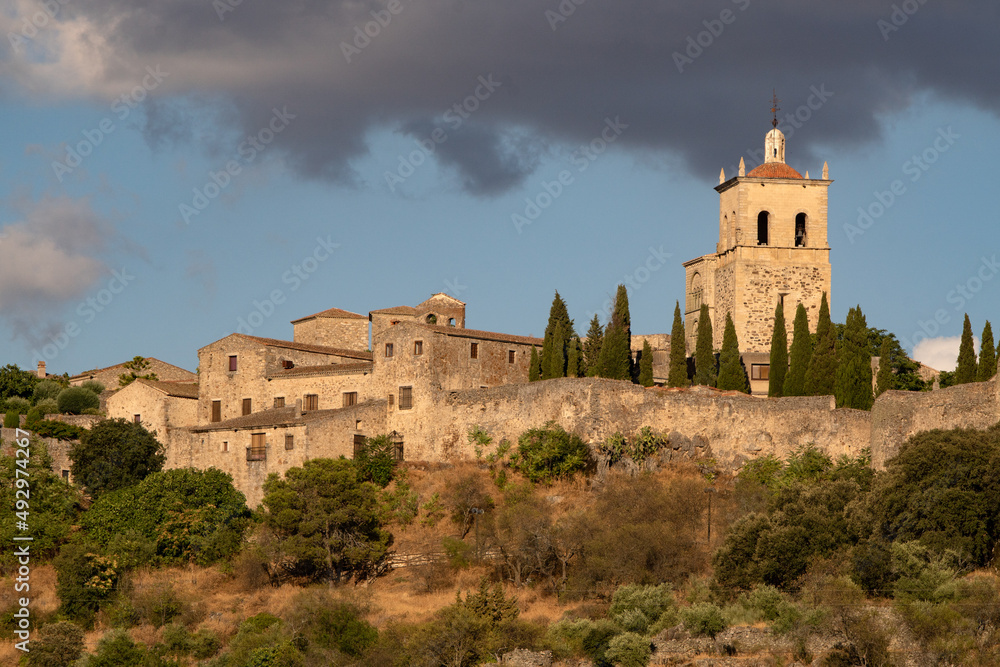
[534, 366]
[574, 358]
[558, 331]
[646, 364]
[853, 387]
[822, 373]
[965, 372]
[884, 379]
[779, 355]
[987, 355]
[592, 348]
[732, 373]
[801, 353]
[616, 348]
[678, 375]
[704, 356]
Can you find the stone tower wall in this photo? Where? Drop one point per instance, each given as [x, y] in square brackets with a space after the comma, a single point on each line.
[348, 334]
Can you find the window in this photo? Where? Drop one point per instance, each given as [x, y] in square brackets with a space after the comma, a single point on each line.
[359, 444]
[65, 475]
[232, 362]
[350, 398]
[510, 356]
[289, 441]
[392, 400]
[762, 220]
[800, 230]
[311, 402]
[247, 406]
[257, 451]
[451, 321]
[405, 398]
[287, 363]
[225, 446]
[432, 319]
[279, 401]
[397, 446]
[137, 419]
[418, 347]
[760, 371]
[474, 351]
[217, 411]
[388, 349]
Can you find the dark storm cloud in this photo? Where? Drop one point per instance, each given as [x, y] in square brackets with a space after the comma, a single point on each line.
[562, 78]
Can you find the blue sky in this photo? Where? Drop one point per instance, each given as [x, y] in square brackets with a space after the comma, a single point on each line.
[98, 263]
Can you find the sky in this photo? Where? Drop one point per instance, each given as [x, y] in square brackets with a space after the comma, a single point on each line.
[172, 171]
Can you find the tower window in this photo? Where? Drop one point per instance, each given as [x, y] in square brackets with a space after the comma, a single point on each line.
[762, 224]
[800, 230]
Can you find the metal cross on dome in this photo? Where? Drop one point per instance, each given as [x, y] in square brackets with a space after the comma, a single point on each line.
[774, 107]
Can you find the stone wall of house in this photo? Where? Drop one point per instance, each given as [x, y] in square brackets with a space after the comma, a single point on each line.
[109, 376]
[349, 334]
[329, 388]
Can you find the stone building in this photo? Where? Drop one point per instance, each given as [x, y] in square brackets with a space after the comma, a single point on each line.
[159, 406]
[108, 376]
[772, 249]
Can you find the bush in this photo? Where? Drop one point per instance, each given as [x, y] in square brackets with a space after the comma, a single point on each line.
[94, 386]
[115, 454]
[159, 605]
[85, 580]
[56, 645]
[376, 462]
[703, 619]
[546, 454]
[18, 405]
[46, 389]
[636, 608]
[74, 400]
[49, 406]
[333, 624]
[33, 419]
[204, 644]
[115, 649]
[56, 429]
[11, 419]
[628, 650]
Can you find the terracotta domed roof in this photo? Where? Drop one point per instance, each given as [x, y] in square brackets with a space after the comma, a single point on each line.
[774, 170]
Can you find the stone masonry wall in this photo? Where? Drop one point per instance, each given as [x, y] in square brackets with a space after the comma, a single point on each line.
[349, 334]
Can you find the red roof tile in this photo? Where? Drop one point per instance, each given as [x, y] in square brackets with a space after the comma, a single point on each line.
[326, 369]
[179, 389]
[307, 347]
[484, 335]
[395, 310]
[774, 170]
[332, 313]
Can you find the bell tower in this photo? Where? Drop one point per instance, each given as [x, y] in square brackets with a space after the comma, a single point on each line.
[772, 249]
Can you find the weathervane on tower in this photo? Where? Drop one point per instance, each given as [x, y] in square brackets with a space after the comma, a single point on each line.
[774, 107]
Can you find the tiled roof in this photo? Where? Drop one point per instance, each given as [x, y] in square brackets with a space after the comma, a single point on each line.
[395, 310]
[95, 371]
[307, 347]
[179, 389]
[325, 369]
[484, 335]
[774, 170]
[332, 313]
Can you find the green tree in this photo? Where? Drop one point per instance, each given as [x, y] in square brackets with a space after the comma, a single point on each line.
[137, 368]
[853, 388]
[53, 506]
[84, 580]
[704, 355]
[115, 649]
[883, 381]
[76, 400]
[987, 355]
[186, 514]
[574, 359]
[15, 382]
[376, 462]
[646, 364]
[45, 389]
[115, 454]
[327, 520]
[616, 348]
[732, 373]
[546, 454]
[678, 375]
[965, 371]
[822, 371]
[801, 353]
[534, 366]
[779, 354]
[558, 333]
[592, 348]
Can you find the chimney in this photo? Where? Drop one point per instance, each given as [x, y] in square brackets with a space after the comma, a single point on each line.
[41, 370]
[298, 408]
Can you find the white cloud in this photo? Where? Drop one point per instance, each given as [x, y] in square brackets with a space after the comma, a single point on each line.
[940, 353]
